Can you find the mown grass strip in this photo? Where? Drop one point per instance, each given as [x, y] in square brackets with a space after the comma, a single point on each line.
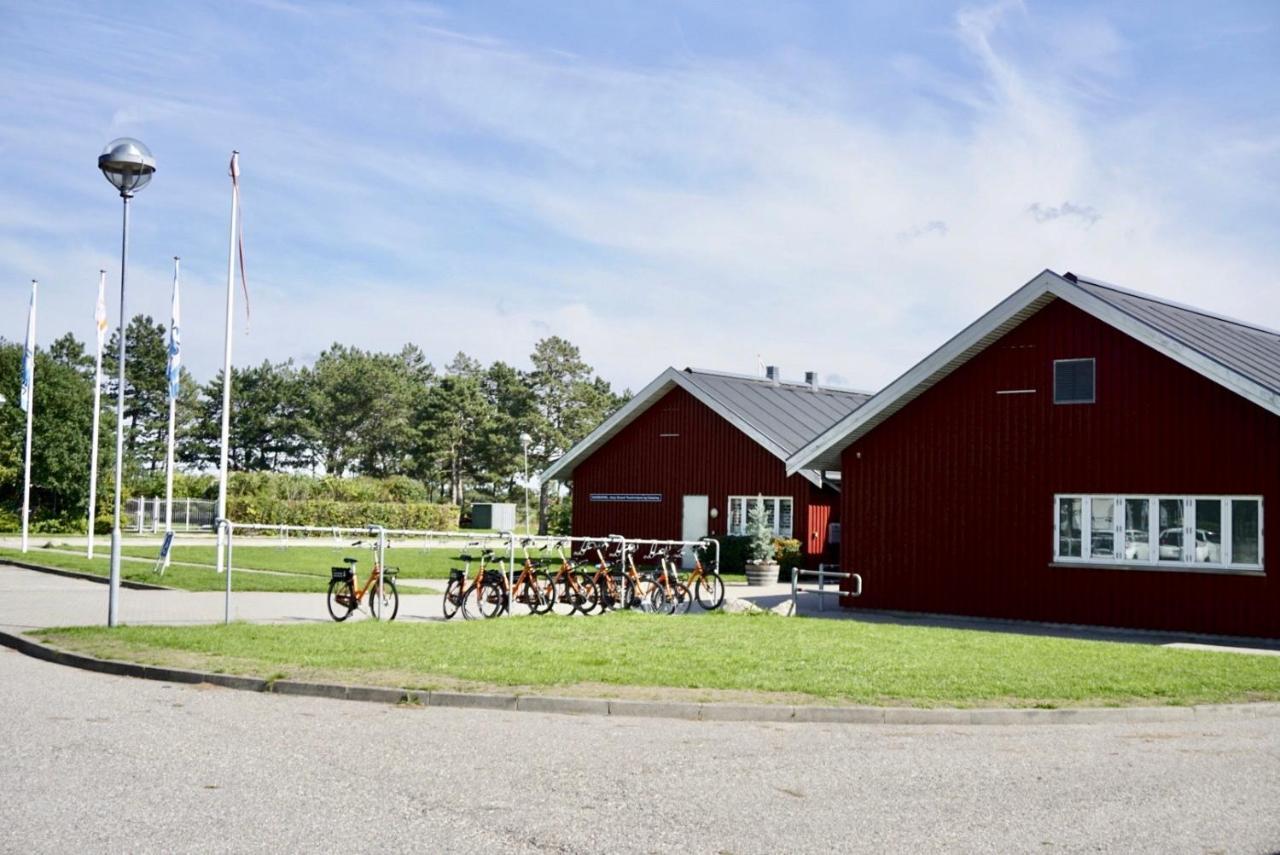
[766, 657]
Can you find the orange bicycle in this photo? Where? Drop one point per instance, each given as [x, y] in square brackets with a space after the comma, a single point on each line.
[571, 590]
[483, 597]
[346, 593]
[706, 584]
[532, 587]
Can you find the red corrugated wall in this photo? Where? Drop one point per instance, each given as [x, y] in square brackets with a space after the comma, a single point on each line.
[680, 447]
[948, 505]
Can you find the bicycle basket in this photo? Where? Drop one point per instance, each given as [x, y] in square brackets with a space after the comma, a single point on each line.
[457, 576]
[494, 576]
[340, 573]
[390, 571]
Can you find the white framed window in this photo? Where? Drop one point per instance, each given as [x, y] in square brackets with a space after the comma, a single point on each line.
[1199, 532]
[777, 514]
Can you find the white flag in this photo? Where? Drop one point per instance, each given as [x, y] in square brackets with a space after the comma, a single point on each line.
[175, 340]
[29, 356]
[100, 313]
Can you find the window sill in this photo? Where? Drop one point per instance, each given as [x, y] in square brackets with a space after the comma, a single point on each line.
[1259, 572]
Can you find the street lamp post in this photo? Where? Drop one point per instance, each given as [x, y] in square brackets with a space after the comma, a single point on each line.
[525, 439]
[128, 165]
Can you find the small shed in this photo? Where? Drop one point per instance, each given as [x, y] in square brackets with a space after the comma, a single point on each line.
[500, 516]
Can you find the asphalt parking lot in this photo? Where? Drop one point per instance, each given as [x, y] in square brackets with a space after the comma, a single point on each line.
[96, 763]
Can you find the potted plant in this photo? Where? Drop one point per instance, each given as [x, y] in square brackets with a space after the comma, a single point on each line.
[761, 565]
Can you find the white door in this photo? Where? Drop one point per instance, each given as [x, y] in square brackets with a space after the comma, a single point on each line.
[695, 523]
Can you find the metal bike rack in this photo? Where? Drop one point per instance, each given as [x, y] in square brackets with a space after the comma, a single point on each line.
[821, 590]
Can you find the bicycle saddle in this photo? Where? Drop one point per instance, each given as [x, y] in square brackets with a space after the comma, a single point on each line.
[350, 560]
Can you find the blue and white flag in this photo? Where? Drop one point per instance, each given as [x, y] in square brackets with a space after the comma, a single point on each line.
[175, 340]
[29, 356]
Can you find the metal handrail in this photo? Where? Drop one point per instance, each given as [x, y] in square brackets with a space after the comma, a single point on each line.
[823, 574]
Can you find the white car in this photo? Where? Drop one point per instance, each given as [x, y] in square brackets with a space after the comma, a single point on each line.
[1136, 547]
[1208, 551]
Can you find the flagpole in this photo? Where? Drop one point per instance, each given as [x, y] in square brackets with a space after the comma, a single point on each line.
[100, 321]
[174, 369]
[226, 361]
[29, 352]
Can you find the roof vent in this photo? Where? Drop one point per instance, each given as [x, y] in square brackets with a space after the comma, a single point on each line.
[773, 373]
[811, 378]
[1070, 277]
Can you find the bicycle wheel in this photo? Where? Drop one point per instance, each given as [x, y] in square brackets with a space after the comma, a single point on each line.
[631, 596]
[342, 599]
[588, 597]
[710, 591]
[387, 606]
[544, 591]
[563, 597]
[484, 602]
[607, 596]
[452, 598]
[657, 600]
[683, 598]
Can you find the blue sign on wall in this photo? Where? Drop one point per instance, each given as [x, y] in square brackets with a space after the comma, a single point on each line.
[626, 497]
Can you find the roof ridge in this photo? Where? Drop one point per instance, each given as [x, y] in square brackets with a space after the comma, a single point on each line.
[764, 381]
[1195, 310]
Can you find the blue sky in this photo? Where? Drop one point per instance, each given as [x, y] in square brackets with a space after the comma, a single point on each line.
[838, 187]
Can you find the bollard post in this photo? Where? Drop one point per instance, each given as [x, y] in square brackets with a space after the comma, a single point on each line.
[795, 577]
[511, 568]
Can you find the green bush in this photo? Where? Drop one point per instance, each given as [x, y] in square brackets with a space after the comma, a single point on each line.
[787, 553]
[733, 553]
[324, 512]
[734, 550]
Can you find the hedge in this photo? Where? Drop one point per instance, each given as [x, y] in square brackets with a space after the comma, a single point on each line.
[321, 512]
[733, 552]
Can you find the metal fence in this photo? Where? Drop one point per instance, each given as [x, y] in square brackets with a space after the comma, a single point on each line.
[146, 515]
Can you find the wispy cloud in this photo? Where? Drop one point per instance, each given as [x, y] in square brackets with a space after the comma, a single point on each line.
[409, 177]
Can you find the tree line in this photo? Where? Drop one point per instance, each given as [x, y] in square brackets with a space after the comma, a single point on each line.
[455, 429]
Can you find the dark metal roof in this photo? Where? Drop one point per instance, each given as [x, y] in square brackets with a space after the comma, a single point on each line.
[1248, 350]
[786, 414]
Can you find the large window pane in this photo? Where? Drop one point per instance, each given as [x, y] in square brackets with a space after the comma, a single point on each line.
[771, 514]
[1069, 531]
[1244, 531]
[784, 518]
[736, 523]
[1102, 534]
[1208, 548]
[1137, 529]
[1170, 529]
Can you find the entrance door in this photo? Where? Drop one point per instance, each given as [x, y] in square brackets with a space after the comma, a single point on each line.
[695, 524]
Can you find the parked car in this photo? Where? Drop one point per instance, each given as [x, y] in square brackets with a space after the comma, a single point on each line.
[1136, 547]
[1207, 551]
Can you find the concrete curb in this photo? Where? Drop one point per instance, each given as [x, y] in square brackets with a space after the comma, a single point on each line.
[88, 577]
[688, 710]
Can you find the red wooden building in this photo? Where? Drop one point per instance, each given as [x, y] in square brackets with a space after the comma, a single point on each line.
[683, 457]
[1079, 454]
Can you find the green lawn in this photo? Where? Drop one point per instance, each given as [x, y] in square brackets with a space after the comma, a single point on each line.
[187, 578]
[764, 658]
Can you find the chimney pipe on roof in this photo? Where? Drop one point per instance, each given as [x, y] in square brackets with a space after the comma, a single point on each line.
[811, 378]
[773, 373]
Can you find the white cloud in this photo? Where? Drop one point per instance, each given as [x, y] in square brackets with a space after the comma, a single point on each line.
[476, 196]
